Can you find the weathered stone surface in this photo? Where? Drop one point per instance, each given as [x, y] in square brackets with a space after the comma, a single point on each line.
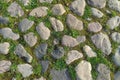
[42, 78]
[115, 37]
[113, 22]
[94, 27]
[15, 10]
[39, 12]
[114, 4]
[89, 52]
[25, 2]
[45, 1]
[58, 9]
[81, 39]
[4, 48]
[43, 31]
[116, 57]
[117, 75]
[41, 50]
[104, 72]
[78, 7]
[101, 41]
[25, 25]
[56, 24]
[8, 33]
[59, 74]
[83, 70]
[69, 41]
[73, 22]
[22, 53]
[4, 66]
[97, 13]
[73, 55]
[30, 39]
[97, 3]
[4, 20]
[7, 1]
[25, 69]
[45, 65]
[58, 52]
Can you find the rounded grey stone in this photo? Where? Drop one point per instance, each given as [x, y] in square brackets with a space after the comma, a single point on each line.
[83, 70]
[45, 1]
[25, 25]
[58, 9]
[94, 27]
[39, 12]
[78, 7]
[104, 72]
[5, 66]
[4, 48]
[30, 39]
[69, 41]
[115, 37]
[22, 53]
[74, 23]
[102, 42]
[41, 50]
[15, 10]
[43, 31]
[56, 24]
[7, 33]
[113, 22]
[97, 3]
[25, 69]
[58, 52]
[97, 13]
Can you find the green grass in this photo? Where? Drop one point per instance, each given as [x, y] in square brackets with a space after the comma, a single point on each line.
[60, 64]
[87, 12]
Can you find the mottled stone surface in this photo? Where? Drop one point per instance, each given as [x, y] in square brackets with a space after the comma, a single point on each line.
[102, 42]
[43, 31]
[58, 52]
[7, 33]
[58, 9]
[56, 24]
[15, 10]
[41, 50]
[25, 25]
[73, 55]
[113, 22]
[116, 57]
[115, 37]
[4, 48]
[4, 20]
[83, 70]
[74, 23]
[94, 27]
[59, 74]
[97, 13]
[45, 1]
[5, 66]
[97, 3]
[39, 12]
[78, 7]
[22, 53]
[25, 69]
[69, 41]
[114, 4]
[30, 39]
[89, 52]
[104, 72]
